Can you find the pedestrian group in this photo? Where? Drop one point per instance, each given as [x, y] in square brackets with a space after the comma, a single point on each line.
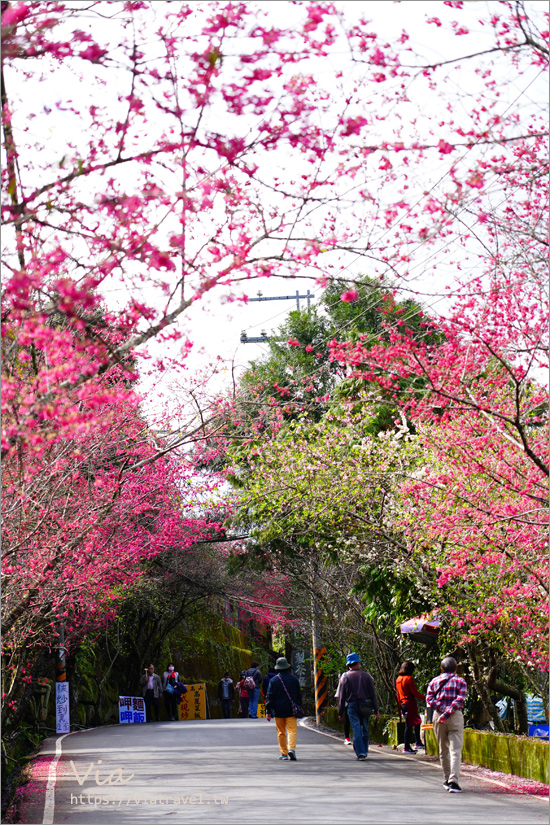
[170, 687]
[357, 702]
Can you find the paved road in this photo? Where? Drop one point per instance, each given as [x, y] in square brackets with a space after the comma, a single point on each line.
[223, 771]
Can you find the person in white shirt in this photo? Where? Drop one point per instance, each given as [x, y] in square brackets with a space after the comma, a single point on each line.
[152, 691]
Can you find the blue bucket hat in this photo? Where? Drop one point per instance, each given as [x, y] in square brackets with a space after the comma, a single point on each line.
[352, 659]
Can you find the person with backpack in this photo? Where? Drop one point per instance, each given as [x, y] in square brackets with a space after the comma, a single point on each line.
[253, 680]
[179, 691]
[170, 679]
[243, 696]
[358, 697]
[446, 695]
[284, 701]
[226, 694]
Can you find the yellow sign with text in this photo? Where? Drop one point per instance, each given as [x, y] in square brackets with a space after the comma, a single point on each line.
[261, 711]
[193, 703]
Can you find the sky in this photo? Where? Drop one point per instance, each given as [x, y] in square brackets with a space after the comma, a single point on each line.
[214, 325]
[215, 328]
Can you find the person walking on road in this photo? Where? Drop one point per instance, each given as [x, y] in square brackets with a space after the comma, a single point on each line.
[265, 684]
[226, 694]
[170, 679]
[283, 690]
[407, 694]
[152, 691]
[446, 695]
[347, 726]
[358, 696]
[253, 692]
[243, 696]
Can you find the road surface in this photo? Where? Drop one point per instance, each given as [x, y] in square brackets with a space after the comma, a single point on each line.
[225, 771]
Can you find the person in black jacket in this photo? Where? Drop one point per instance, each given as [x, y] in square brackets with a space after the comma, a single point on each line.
[226, 694]
[282, 691]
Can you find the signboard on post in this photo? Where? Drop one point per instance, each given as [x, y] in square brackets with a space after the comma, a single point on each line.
[193, 703]
[62, 716]
[131, 710]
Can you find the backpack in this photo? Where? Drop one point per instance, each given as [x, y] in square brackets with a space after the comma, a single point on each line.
[249, 683]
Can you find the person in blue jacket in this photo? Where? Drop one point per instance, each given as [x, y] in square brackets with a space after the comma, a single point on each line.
[270, 674]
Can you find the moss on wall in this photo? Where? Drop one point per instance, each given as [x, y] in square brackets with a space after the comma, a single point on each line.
[201, 650]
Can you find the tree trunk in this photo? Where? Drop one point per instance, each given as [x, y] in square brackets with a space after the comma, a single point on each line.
[482, 689]
[514, 693]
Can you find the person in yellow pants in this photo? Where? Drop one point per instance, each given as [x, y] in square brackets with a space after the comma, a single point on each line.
[287, 728]
[284, 691]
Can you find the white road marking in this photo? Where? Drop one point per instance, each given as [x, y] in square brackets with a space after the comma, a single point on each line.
[49, 802]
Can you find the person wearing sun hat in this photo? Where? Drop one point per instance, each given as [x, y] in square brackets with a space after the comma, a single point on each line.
[356, 690]
[283, 690]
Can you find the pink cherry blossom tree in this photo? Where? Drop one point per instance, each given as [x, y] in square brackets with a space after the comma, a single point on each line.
[157, 153]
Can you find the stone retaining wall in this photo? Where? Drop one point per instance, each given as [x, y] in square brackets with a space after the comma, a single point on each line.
[517, 755]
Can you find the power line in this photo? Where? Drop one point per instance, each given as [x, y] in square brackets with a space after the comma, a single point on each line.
[413, 206]
[453, 240]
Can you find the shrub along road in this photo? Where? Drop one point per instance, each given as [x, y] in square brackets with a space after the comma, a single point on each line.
[222, 771]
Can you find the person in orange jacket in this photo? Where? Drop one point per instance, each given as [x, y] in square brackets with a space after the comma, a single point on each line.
[407, 694]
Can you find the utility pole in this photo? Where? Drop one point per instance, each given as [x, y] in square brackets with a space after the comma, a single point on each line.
[263, 336]
[60, 661]
[308, 296]
[62, 712]
[255, 339]
[319, 678]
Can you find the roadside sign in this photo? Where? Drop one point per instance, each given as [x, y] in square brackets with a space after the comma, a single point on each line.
[193, 703]
[62, 717]
[131, 710]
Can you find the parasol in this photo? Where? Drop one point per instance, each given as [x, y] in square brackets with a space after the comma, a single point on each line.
[421, 629]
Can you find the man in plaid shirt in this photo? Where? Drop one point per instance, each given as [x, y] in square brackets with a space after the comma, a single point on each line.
[446, 695]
